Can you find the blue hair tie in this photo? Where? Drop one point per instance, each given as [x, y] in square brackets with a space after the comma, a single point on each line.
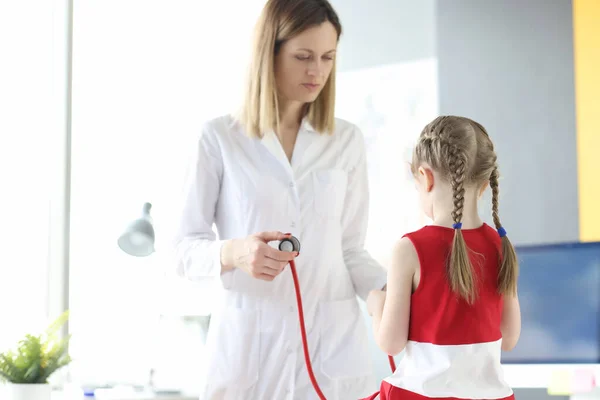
[501, 232]
[457, 225]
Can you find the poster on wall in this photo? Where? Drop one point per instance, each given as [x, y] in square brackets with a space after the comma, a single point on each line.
[390, 104]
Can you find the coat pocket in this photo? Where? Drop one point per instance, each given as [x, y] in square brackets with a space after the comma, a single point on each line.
[329, 192]
[233, 353]
[345, 349]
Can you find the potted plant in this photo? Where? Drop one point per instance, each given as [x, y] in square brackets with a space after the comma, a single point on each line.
[27, 368]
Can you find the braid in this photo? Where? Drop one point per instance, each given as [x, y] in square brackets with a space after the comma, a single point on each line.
[461, 276]
[494, 187]
[509, 264]
[458, 166]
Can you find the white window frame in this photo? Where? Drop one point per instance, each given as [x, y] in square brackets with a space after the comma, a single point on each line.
[59, 227]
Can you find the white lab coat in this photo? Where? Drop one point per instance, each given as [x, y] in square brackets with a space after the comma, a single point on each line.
[247, 185]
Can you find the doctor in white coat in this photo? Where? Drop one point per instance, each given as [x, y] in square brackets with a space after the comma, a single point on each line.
[283, 164]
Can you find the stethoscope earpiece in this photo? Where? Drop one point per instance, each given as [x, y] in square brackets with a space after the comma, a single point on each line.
[290, 244]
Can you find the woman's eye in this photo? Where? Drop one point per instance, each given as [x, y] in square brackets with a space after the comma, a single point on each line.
[302, 58]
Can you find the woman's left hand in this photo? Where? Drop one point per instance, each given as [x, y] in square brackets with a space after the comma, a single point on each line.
[375, 301]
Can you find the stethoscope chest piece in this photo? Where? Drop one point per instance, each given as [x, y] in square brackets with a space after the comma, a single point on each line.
[290, 244]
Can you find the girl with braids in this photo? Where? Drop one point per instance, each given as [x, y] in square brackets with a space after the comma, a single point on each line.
[451, 299]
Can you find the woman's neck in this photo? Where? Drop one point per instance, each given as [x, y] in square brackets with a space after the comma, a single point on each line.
[290, 117]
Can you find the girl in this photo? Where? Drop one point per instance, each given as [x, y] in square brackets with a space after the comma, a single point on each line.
[451, 298]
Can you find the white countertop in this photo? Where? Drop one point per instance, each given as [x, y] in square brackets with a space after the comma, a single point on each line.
[121, 396]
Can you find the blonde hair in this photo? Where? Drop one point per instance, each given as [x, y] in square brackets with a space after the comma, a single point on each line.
[461, 150]
[279, 21]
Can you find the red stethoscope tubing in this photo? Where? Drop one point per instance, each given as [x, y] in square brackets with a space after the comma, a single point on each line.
[303, 332]
[305, 341]
[392, 363]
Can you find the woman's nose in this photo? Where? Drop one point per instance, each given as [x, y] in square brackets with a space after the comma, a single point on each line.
[315, 68]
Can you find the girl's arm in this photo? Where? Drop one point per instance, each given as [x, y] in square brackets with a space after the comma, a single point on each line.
[511, 322]
[391, 309]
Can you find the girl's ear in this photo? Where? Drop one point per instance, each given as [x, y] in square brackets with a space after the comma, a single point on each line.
[427, 175]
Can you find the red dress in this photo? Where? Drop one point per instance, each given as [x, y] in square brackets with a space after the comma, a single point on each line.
[453, 349]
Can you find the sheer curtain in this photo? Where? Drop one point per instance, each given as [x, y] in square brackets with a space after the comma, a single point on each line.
[26, 134]
[146, 74]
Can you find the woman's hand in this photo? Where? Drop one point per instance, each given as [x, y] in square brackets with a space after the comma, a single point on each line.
[254, 256]
[375, 301]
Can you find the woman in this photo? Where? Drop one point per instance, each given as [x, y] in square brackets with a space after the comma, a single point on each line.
[284, 164]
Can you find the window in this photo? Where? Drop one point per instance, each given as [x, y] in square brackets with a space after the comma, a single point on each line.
[27, 131]
[390, 104]
[146, 75]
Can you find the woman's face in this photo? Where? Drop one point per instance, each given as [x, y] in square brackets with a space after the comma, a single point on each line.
[304, 63]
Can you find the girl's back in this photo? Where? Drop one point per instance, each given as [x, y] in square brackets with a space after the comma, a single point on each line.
[438, 315]
[453, 347]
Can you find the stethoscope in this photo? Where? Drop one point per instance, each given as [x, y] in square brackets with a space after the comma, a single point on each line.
[290, 244]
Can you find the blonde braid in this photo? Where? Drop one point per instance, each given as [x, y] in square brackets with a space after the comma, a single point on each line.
[509, 264]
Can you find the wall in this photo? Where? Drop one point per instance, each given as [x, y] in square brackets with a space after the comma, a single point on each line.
[509, 65]
[368, 38]
[587, 86]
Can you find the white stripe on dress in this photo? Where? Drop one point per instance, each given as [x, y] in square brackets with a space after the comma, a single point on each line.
[470, 371]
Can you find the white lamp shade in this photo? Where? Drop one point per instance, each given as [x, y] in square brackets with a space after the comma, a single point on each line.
[138, 238]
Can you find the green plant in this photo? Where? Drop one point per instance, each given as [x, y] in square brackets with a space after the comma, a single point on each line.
[36, 358]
